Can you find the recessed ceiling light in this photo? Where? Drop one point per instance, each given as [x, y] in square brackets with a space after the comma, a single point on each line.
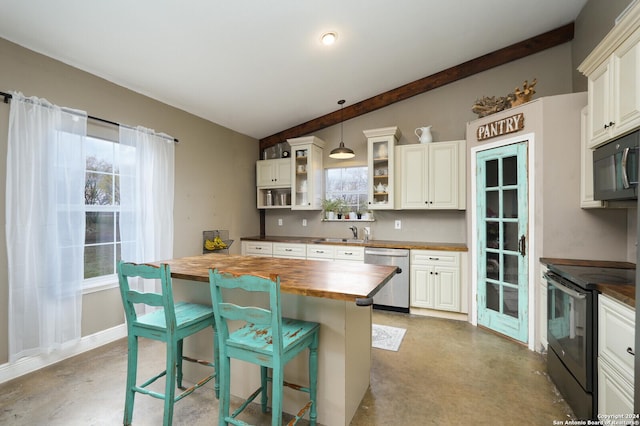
[329, 38]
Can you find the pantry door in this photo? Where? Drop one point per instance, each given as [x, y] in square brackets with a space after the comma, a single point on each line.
[502, 218]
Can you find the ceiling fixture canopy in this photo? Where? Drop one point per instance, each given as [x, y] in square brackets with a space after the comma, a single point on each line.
[341, 152]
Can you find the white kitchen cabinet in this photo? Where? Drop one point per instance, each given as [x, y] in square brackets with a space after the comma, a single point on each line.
[613, 72]
[273, 173]
[307, 173]
[349, 253]
[436, 280]
[616, 346]
[273, 177]
[320, 251]
[381, 167]
[432, 175]
[586, 168]
[257, 248]
[290, 250]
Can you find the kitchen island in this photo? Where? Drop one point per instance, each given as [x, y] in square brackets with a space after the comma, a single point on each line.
[336, 295]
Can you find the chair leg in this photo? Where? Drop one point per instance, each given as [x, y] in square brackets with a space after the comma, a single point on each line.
[216, 363]
[277, 377]
[225, 395]
[179, 364]
[264, 397]
[313, 379]
[132, 371]
[170, 387]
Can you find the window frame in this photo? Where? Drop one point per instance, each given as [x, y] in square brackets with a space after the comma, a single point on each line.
[108, 281]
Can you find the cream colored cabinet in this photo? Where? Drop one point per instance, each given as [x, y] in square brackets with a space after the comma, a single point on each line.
[613, 72]
[586, 168]
[616, 349]
[432, 175]
[290, 250]
[307, 173]
[349, 253]
[381, 167]
[436, 281]
[257, 248]
[320, 251]
[273, 182]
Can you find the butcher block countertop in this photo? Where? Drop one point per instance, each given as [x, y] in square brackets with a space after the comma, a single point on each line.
[371, 243]
[356, 282]
[623, 293]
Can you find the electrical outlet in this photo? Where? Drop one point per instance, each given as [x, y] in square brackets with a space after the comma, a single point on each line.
[398, 224]
[304, 222]
[280, 222]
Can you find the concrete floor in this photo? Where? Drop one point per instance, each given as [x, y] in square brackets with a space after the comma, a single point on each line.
[446, 372]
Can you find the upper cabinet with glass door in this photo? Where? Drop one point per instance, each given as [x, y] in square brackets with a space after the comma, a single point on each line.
[380, 161]
[307, 174]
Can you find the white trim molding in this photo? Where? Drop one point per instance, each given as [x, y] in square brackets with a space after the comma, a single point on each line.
[10, 371]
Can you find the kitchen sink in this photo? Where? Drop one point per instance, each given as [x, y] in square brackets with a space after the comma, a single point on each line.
[339, 240]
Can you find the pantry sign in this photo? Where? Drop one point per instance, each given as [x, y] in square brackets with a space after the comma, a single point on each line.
[500, 127]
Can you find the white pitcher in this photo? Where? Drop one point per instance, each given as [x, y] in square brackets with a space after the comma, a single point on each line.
[424, 135]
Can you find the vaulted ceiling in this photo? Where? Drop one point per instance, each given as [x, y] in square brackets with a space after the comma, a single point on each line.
[258, 67]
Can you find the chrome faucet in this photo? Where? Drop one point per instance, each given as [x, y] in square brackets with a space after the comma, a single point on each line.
[354, 229]
[367, 231]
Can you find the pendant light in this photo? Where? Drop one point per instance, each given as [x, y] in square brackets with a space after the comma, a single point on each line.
[341, 152]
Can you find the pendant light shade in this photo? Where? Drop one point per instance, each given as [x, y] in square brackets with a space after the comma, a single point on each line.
[341, 152]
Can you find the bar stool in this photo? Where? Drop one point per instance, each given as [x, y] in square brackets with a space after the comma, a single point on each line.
[265, 339]
[170, 324]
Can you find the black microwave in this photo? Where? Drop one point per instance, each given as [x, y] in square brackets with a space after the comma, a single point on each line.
[615, 169]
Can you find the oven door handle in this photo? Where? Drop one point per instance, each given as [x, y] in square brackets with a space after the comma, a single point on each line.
[571, 292]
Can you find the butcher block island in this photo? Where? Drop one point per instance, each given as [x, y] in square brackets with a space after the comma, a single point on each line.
[336, 295]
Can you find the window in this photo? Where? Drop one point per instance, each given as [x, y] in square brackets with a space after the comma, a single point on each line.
[102, 205]
[349, 184]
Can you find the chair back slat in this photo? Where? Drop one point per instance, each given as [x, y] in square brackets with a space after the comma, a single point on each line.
[131, 296]
[151, 299]
[250, 314]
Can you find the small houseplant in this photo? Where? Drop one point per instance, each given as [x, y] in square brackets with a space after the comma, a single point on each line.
[330, 207]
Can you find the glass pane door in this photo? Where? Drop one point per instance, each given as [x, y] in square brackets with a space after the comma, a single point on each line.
[502, 226]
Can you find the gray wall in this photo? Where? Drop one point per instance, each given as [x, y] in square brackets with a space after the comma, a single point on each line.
[214, 169]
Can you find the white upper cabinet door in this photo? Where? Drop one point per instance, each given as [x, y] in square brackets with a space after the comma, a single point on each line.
[626, 90]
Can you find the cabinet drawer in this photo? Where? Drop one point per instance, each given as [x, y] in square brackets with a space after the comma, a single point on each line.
[289, 250]
[615, 393]
[616, 334]
[257, 248]
[349, 253]
[428, 257]
[315, 251]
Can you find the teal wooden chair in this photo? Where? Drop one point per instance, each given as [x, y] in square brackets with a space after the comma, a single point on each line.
[171, 323]
[265, 339]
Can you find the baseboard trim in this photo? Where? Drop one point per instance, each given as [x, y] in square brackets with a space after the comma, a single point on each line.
[10, 371]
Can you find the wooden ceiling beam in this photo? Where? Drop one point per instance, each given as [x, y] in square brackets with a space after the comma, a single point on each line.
[482, 63]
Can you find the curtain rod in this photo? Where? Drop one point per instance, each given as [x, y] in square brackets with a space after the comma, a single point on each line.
[8, 96]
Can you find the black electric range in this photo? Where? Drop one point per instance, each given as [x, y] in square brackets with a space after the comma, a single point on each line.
[572, 330]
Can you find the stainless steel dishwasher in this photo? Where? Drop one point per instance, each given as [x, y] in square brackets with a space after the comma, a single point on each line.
[394, 296]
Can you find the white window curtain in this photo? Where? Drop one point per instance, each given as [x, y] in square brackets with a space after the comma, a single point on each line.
[45, 225]
[146, 195]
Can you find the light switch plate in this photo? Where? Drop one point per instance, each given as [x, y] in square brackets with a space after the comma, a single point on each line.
[398, 224]
[304, 222]
[280, 222]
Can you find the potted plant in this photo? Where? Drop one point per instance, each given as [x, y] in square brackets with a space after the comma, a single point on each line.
[330, 207]
[363, 211]
[341, 208]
